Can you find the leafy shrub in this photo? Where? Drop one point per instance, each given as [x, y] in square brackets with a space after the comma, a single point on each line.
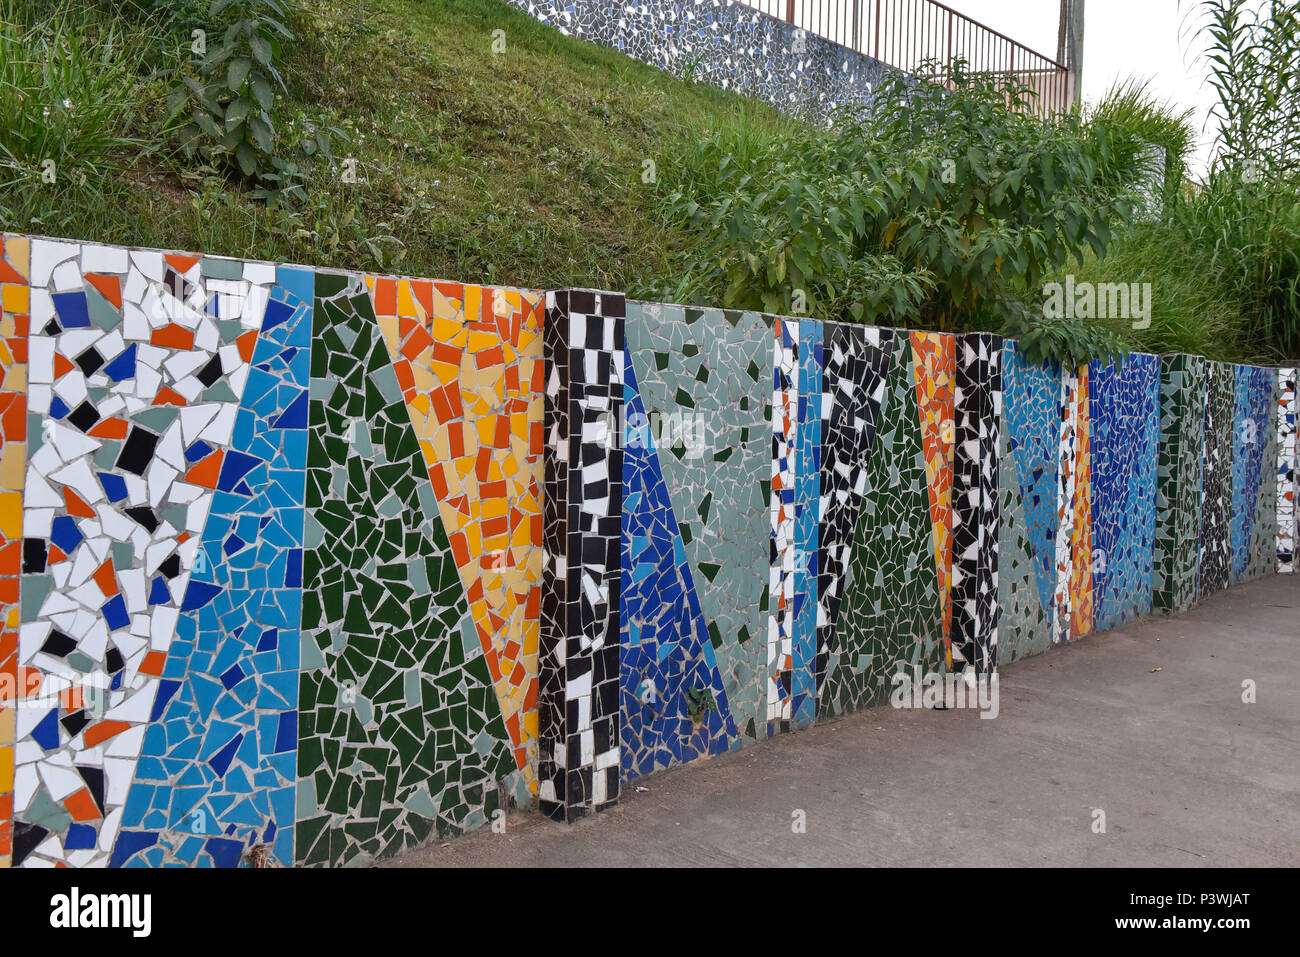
[1248, 212]
[932, 208]
[226, 112]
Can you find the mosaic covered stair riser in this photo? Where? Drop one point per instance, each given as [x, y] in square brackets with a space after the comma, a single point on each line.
[1216, 480]
[1124, 431]
[704, 378]
[1028, 463]
[1178, 482]
[15, 304]
[579, 764]
[1287, 410]
[1252, 530]
[724, 43]
[978, 401]
[316, 566]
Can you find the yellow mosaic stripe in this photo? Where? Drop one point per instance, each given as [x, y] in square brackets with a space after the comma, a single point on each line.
[485, 462]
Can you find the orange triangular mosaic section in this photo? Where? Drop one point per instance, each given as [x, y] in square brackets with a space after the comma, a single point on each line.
[1081, 559]
[934, 360]
[469, 361]
[14, 311]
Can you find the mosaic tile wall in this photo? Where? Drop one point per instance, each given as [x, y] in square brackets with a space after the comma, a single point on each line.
[890, 613]
[1178, 482]
[15, 304]
[1124, 432]
[579, 765]
[1029, 446]
[324, 565]
[204, 436]
[1287, 410]
[705, 376]
[1216, 479]
[1252, 530]
[727, 44]
[978, 400]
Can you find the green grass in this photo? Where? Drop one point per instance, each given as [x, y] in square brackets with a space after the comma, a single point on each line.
[521, 168]
[1192, 311]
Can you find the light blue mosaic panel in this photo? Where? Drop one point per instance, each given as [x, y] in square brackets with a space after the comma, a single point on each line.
[1031, 398]
[1252, 423]
[218, 764]
[807, 518]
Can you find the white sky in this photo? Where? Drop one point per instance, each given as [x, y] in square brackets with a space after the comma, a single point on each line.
[1148, 39]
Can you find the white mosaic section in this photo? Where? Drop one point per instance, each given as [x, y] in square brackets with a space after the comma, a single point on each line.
[785, 417]
[1067, 462]
[1286, 467]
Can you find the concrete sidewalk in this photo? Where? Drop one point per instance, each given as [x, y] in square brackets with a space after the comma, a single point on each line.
[1186, 774]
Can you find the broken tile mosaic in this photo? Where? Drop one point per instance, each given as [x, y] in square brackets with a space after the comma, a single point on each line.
[401, 736]
[1124, 431]
[1178, 482]
[578, 708]
[217, 773]
[1028, 462]
[1252, 536]
[1216, 479]
[1286, 469]
[469, 362]
[735, 46]
[358, 560]
[704, 376]
[136, 363]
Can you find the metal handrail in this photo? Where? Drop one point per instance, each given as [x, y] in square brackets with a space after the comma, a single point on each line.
[909, 34]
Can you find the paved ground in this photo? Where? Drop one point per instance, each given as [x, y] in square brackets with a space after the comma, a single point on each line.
[1187, 774]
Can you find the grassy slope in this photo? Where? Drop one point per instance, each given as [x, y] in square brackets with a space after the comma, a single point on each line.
[521, 168]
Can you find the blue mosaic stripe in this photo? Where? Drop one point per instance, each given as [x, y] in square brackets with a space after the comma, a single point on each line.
[807, 518]
[1031, 394]
[1252, 414]
[665, 646]
[1124, 435]
[217, 771]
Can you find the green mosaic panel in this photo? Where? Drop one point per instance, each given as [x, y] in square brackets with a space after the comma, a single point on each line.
[400, 734]
[711, 371]
[891, 613]
[1263, 533]
[1178, 482]
[1024, 628]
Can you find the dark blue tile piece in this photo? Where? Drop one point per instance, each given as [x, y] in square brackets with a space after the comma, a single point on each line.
[225, 852]
[114, 486]
[46, 733]
[129, 843]
[123, 367]
[72, 309]
[199, 594]
[236, 465]
[159, 594]
[115, 613]
[295, 416]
